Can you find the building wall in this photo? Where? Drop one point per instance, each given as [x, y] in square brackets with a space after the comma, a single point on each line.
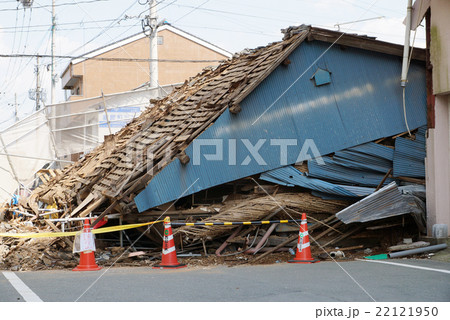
[120, 76]
[438, 166]
[440, 46]
[438, 142]
[362, 103]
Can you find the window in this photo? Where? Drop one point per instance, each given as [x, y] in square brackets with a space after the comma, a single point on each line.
[76, 91]
[160, 40]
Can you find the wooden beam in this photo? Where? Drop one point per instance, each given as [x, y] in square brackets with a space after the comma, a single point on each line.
[92, 207]
[383, 180]
[363, 43]
[183, 157]
[85, 202]
[235, 108]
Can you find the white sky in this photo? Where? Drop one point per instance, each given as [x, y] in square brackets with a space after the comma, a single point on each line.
[230, 24]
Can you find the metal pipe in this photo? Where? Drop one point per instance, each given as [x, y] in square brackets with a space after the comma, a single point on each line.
[140, 104]
[22, 120]
[24, 213]
[418, 250]
[50, 213]
[337, 254]
[113, 216]
[263, 240]
[406, 46]
[225, 244]
[33, 158]
[90, 125]
[24, 135]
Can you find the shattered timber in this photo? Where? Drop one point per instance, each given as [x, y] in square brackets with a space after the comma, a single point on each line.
[365, 194]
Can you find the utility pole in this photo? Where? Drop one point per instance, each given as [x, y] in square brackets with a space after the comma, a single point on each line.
[37, 94]
[16, 117]
[16, 108]
[153, 36]
[38, 88]
[150, 21]
[53, 76]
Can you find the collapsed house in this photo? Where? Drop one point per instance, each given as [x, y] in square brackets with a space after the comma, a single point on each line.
[314, 123]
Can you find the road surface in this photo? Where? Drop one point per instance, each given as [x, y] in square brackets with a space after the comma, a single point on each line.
[407, 280]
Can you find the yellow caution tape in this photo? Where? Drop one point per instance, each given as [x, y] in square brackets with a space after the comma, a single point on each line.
[136, 225]
[73, 233]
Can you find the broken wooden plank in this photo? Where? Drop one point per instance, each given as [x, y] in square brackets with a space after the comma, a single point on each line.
[85, 202]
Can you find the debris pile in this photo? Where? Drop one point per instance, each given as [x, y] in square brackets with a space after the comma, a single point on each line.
[32, 253]
[359, 200]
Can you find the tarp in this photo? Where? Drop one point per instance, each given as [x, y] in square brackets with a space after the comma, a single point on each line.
[79, 126]
[31, 138]
[60, 130]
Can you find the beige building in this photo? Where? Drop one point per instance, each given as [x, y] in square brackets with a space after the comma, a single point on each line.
[436, 13]
[180, 54]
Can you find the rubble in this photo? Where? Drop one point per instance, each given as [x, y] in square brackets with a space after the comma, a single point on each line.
[108, 180]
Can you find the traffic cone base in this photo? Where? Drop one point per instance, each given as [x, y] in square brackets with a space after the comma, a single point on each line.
[87, 262]
[303, 261]
[178, 266]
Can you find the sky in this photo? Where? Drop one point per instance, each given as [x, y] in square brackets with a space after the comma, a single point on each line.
[84, 25]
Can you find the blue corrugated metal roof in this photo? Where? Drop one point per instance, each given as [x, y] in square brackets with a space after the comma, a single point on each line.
[332, 171]
[409, 156]
[290, 176]
[360, 161]
[374, 149]
[362, 104]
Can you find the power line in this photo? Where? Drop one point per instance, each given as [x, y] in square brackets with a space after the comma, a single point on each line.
[18, 48]
[228, 30]
[104, 59]
[104, 30]
[14, 43]
[195, 8]
[62, 24]
[235, 13]
[57, 5]
[71, 29]
[10, 80]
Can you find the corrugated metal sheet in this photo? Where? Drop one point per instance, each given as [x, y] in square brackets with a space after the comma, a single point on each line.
[290, 176]
[374, 149]
[362, 104]
[333, 171]
[360, 161]
[384, 203]
[409, 156]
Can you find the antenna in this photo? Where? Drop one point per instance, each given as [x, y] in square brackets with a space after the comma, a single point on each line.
[338, 25]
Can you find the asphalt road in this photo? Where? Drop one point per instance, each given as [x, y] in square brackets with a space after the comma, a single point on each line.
[325, 281]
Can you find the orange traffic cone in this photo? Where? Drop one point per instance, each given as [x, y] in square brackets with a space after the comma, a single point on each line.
[303, 252]
[169, 255]
[87, 257]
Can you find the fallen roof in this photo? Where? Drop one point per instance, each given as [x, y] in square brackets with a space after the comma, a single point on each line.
[125, 163]
[384, 203]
